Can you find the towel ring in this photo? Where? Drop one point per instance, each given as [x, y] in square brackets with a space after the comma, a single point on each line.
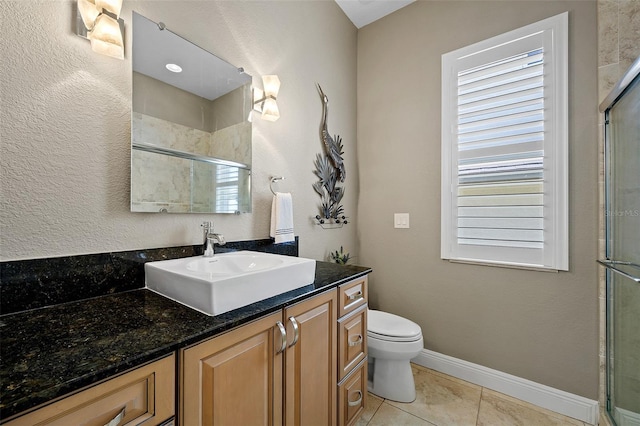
[273, 180]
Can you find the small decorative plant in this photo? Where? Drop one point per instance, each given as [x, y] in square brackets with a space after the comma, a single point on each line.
[340, 257]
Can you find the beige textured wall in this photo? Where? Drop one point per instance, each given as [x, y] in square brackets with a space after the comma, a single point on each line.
[65, 123]
[537, 325]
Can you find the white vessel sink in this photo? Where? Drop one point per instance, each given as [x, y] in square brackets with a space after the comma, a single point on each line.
[227, 281]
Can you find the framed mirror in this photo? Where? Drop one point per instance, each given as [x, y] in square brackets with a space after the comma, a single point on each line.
[190, 128]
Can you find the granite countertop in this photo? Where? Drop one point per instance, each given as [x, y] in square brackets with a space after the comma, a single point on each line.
[49, 352]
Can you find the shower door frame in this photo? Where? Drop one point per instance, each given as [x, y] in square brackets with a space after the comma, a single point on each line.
[611, 268]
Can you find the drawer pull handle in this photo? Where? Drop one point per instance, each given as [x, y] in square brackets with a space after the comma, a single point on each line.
[357, 401]
[357, 341]
[296, 331]
[356, 296]
[117, 419]
[283, 337]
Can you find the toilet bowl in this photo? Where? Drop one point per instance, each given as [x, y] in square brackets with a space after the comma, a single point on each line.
[392, 341]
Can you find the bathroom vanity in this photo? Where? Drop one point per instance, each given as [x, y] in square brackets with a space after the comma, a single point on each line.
[137, 356]
[265, 375]
[271, 373]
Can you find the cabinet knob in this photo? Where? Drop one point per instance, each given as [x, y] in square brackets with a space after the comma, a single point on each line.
[357, 401]
[356, 296]
[283, 337]
[357, 341]
[296, 331]
[117, 419]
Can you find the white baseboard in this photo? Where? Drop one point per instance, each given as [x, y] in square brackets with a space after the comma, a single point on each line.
[578, 407]
[626, 418]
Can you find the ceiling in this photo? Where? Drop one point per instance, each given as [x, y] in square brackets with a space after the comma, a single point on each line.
[363, 12]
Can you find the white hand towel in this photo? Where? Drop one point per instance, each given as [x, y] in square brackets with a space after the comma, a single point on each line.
[282, 218]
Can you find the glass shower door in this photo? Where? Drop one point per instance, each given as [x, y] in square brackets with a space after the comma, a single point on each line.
[622, 122]
[624, 351]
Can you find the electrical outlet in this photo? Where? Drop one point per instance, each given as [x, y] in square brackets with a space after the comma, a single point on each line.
[401, 220]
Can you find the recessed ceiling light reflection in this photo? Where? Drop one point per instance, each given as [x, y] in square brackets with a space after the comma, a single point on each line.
[174, 68]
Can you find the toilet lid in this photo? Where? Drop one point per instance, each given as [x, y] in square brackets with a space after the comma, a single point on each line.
[390, 325]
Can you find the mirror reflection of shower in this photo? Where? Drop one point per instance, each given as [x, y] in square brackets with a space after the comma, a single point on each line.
[190, 133]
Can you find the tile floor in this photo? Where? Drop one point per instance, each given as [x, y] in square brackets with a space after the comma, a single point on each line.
[443, 400]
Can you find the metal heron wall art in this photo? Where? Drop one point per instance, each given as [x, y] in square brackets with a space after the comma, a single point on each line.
[330, 170]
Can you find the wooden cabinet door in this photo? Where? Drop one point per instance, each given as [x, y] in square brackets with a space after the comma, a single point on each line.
[235, 378]
[310, 361]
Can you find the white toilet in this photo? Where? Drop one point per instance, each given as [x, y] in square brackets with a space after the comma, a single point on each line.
[392, 342]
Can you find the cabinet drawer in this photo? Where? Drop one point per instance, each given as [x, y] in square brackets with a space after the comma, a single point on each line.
[146, 394]
[351, 395]
[352, 295]
[352, 340]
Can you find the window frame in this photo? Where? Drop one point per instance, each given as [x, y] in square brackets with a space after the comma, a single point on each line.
[554, 255]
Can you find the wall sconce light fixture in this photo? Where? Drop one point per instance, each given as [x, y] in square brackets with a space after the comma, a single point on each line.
[99, 22]
[265, 101]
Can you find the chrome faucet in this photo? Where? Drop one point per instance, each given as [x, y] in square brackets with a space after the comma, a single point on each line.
[210, 238]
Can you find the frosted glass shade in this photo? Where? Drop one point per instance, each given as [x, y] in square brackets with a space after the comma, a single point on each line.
[265, 102]
[270, 110]
[271, 85]
[89, 12]
[106, 37]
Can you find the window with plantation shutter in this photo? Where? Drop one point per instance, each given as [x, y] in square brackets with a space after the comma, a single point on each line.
[226, 187]
[504, 149]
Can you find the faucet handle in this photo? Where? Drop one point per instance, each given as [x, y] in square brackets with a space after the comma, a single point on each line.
[207, 225]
